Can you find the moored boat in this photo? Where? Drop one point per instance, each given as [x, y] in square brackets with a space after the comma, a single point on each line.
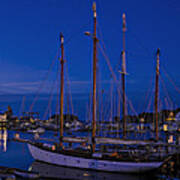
[93, 161]
[89, 156]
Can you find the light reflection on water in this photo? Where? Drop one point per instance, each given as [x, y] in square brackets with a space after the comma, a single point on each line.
[3, 139]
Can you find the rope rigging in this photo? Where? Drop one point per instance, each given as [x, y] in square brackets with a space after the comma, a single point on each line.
[76, 33]
[168, 99]
[22, 106]
[150, 103]
[58, 92]
[51, 96]
[43, 81]
[148, 94]
[170, 80]
[110, 68]
[69, 94]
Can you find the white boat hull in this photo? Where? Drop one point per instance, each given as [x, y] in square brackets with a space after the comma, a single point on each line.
[43, 155]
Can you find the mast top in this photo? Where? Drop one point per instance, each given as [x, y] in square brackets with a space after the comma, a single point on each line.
[61, 38]
[157, 61]
[158, 52]
[62, 46]
[94, 9]
[124, 22]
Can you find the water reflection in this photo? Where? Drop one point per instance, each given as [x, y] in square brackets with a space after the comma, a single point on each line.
[3, 139]
[57, 172]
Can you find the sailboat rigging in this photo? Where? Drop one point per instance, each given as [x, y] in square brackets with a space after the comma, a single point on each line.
[123, 78]
[94, 80]
[93, 158]
[157, 95]
[62, 90]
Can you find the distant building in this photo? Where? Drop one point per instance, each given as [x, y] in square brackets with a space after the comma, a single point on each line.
[171, 117]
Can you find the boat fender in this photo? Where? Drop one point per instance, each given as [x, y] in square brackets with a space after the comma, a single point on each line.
[53, 147]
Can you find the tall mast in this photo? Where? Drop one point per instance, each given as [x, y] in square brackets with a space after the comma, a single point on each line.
[111, 105]
[123, 77]
[157, 94]
[94, 79]
[62, 90]
[111, 113]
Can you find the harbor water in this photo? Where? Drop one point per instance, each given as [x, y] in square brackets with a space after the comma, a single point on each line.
[15, 154]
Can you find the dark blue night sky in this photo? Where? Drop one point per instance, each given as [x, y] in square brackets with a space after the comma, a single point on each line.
[29, 40]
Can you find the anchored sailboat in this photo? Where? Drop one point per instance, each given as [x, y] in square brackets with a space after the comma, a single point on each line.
[128, 159]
